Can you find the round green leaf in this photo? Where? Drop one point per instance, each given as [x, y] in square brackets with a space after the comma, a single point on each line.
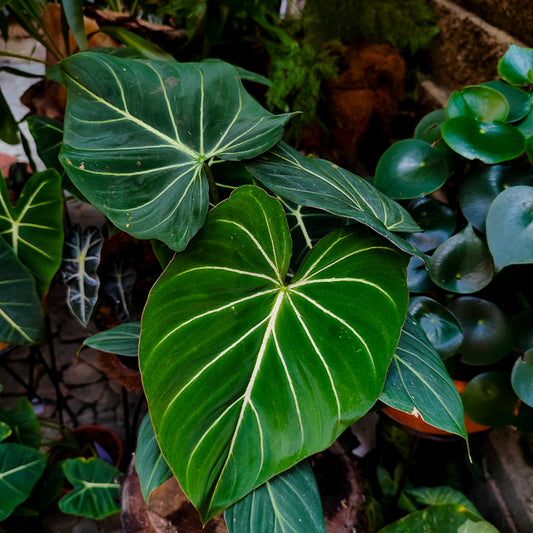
[428, 129]
[488, 335]
[479, 102]
[490, 142]
[510, 227]
[275, 370]
[436, 219]
[462, 263]
[522, 377]
[483, 185]
[526, 128]
[518, 100]
[489, 399]
[515, 65]
[138, 135]
[418, 279]
[439, 324]
[409, 169]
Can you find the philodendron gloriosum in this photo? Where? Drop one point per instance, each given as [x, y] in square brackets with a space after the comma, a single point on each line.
[249, 365]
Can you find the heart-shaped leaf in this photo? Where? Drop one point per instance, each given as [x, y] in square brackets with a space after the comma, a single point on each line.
[139, 136]
[288, 502]
[150, 464]
[488, 335]
[493, 142]
[519, 101]
[522, 377]
[275, 370]
[96, 493]
[20, 469]
[462, 263]
[24, 423]
[34, 227]
[439, 324]
[21, 314]
[409, 169]
[319, 183]
[81, 258]
[510, 227]
[480, 102]
[418, 383]
[515, 66]
[122, 339]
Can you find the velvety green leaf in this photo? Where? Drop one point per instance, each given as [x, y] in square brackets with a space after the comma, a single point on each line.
[519, 101]
[480, 102]
[73, 10]
[288, 502]
[48, 135]
[23, 422]
[515, 65]
[488, 335]
[81, 258]
[409, 169]
[20, 469]
[279, 369]
[8, 125]
[435, 218]
[462, 263]
[96, 494]
[483, 185]
[418, 383]
[21, 314]
[439, 324]
[140, 134]
[5, 431]
[150, 464]
[510, 227]
[489, 399]
[118, 279]
[418, 279]
[34, 227]
[522, 377]
[442, 495]
[122, 339]
[321, 184]
[490, 142]
[445, 518]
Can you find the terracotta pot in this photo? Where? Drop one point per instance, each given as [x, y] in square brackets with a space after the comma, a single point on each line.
[416, 423]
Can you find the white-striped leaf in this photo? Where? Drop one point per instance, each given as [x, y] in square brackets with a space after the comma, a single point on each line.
[319, 183]
[245, 373]
[81, 258]
[418, 382]
[139, 134]
[288, 502]
[34, 227]
[150, 464]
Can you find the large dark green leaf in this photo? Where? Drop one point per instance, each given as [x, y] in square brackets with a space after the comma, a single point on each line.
[20, 469]
[150, 464]
[81, 259]
[510, 227]
[96, 492]
[139, 136]
[288, 502]
[123, 339]
[275, 371]
[418, 383]
[34, 227]
[21, 314]
[324, 185]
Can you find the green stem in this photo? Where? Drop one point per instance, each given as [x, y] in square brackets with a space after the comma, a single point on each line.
[213, 190]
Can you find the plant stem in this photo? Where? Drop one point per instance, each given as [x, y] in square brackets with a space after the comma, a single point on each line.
[213, 190]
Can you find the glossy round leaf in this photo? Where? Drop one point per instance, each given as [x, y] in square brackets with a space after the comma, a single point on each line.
[138, 134]
[483, 185]
[490, 142]
[275, 370]
[435, 218]
[409, 169]
[438, 323]
[418, 279]
[488, 335]
[428, 129]
[515, 66]
[519, 101]
[480, 102]
[522, 377]
[489, 399]
[510, 227]
[526, 128]
[462, 263]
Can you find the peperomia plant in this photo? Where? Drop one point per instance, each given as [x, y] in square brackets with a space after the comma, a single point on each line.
[271, 330]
